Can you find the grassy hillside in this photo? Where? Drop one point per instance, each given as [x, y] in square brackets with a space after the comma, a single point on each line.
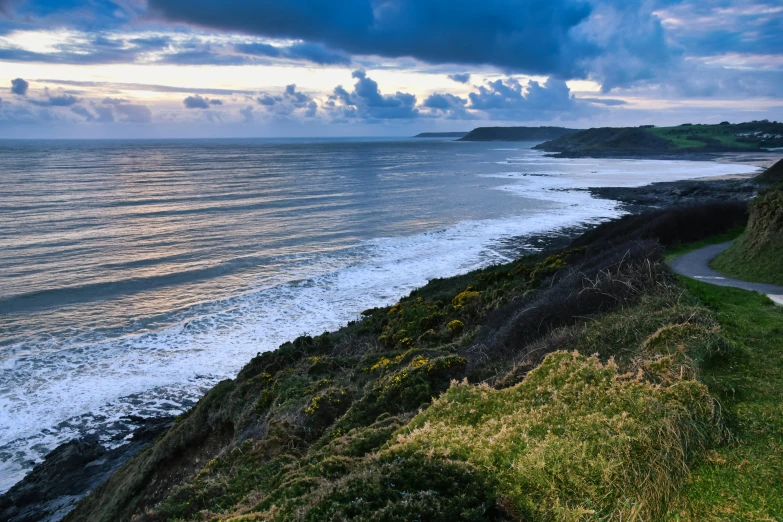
[516, 133]
[687, 138]
[575, 385]
[757, 255]
[772, 175]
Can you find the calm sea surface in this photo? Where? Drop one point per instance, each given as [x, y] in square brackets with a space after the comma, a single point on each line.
[134, 275]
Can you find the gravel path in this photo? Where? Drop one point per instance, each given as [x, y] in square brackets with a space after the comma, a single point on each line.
[695, 265]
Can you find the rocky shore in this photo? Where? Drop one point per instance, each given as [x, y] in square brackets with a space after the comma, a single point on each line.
[71, 471]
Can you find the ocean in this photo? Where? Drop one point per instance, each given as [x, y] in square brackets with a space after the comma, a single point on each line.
[134, 275]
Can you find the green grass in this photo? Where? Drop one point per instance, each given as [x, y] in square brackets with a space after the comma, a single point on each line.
[743, 480]
[698, 136]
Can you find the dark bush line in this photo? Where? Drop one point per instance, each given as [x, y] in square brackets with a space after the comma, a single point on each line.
[669, 227]
[601, 282]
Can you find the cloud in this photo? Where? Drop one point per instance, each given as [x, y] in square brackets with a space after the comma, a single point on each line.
[311, 52]
[268, 100]
[146, 87]
[510, 100]
[196, 102]
[523, 35]
[151, 43]
[247, 114]
[289, 102]
[105, 114]
[460, 78]
[84, 113]
[609, 102]
[19, 87]
[129, 112]
[56, 100]
[203, 57]
[366, 102]
[748, 26]
[449, 106]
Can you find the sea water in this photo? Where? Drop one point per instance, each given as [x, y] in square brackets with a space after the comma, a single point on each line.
[134, 275]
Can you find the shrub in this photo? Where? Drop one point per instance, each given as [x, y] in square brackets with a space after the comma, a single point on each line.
[456, 326]
[574, 439]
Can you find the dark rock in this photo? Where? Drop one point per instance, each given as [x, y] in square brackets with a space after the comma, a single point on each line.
[71, 471]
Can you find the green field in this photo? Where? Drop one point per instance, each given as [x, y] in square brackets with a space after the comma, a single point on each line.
[750, 136]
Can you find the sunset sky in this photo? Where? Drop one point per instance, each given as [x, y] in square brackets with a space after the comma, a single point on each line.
[242, 68]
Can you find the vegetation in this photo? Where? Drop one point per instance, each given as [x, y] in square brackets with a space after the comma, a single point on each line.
[686, 138]
[772, 175]
[742, 479]
[516, 133]
[758, 253]
[586, 384]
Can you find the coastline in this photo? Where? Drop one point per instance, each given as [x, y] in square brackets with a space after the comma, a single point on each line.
[46, 477]
[755, 159]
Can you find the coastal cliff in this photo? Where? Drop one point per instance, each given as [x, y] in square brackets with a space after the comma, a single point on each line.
[496, 395]
[516, 133]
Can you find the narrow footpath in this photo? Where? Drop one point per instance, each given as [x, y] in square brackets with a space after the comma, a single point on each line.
[695, 265]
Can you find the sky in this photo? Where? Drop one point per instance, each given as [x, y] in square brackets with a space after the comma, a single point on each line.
[296, 68]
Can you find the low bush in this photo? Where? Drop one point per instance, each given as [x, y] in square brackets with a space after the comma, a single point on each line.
[576, 439]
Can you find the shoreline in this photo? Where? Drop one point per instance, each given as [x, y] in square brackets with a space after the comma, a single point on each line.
[756, 159]
[48, 476]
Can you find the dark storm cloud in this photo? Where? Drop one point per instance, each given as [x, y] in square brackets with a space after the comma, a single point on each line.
[19, 87]
[204, 57]
[310, 52]
[460, 78]
[521, 35]
[95, 15]
[88, 56]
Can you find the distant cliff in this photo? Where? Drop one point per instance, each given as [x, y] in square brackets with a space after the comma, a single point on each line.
[441, 135]
[516, 133]
[656, 141]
